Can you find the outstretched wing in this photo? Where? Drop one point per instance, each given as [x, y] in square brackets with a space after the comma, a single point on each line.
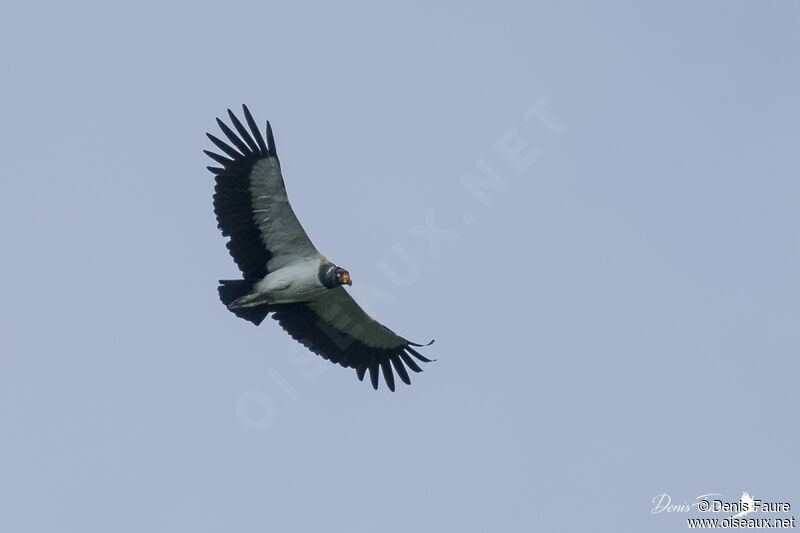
[251, 204]
[334, 326]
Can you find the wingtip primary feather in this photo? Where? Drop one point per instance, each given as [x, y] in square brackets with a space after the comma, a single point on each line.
[400, 369]
[224, 161]
[388, 375]
[243, 133]
[234, 139]
[421, 345]
[418, 355]
[225, 147]
[271, 141]
[410, 363]
[373, 374]
[254, 129]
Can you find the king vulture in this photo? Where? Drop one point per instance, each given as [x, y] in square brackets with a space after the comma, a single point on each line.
[285, 276]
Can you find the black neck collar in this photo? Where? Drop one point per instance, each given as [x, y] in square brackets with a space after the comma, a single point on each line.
[327, 276]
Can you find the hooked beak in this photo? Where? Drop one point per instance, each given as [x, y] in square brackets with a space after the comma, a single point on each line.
[346, 279]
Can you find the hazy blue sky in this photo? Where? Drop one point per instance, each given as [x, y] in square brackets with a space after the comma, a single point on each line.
[615, 307]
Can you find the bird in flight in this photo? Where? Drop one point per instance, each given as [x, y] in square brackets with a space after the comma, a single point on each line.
[284, 275]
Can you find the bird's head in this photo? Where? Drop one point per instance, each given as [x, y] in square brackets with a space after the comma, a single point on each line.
[342, 276]
[332, 276]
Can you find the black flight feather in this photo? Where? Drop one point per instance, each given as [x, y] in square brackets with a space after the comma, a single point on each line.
[234, 138]
[218, 158]
[225, 147]
[409, 362]
[388, 376]
[373, 374]
[253, 128]
[271, 141]
[418, 355]
[243, 133]
[400, 369]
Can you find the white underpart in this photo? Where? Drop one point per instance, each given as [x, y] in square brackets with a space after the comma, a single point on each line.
[297, 282]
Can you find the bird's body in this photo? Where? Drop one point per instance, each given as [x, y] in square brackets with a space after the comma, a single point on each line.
[284, 274]
[295, 282]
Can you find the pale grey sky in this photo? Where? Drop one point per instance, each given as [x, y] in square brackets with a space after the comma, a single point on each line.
[615, 310]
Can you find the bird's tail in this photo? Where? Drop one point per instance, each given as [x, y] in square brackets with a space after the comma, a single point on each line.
[233, 289]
